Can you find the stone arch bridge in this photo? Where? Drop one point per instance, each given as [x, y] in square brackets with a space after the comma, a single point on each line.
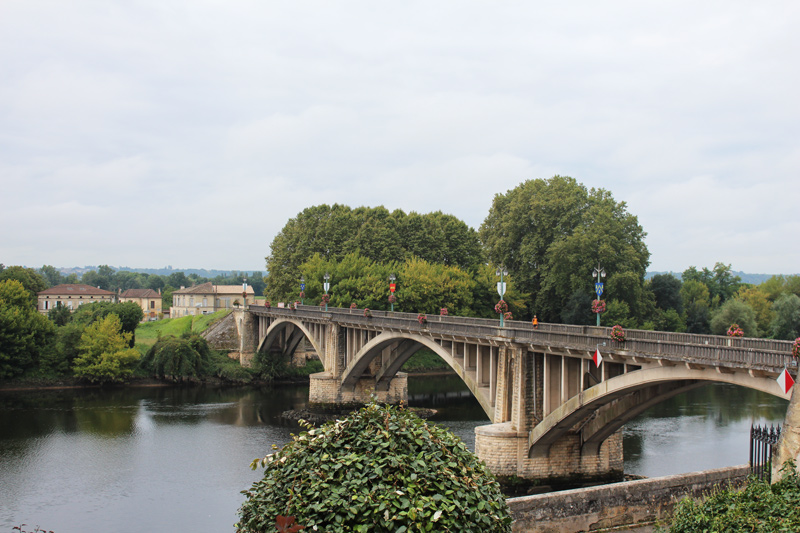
[553, 412]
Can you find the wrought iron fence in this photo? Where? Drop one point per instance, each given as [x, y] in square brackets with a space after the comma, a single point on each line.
[762, 441]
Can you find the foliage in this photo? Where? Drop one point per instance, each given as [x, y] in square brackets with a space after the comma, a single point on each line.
[60, 315]
[734, 312]
[25, 334]
[178, 358]
[129, 314]
[618, 312]
[549, 233]
[720, 281]
[666, 289]
[796, 347]
[373, 233]
[786, 324]
[578, 309]
[32, 281]
[104, 355]
[757, 299]
[697, 305]
[380, 469]
[424, 360]
[760, 507]
[501, 307]
[617, 333]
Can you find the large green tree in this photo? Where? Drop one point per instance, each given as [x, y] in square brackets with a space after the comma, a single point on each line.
[786, 324]
[129, 313]
[104, 354]
[721, 282]
[551, 233]
[667, 291]
[374, 233]
[32, 281]
[734, 311]
[25, 334]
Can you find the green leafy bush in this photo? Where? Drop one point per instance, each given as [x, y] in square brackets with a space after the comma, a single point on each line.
[177, 358]
[760, 507]
[380, 469]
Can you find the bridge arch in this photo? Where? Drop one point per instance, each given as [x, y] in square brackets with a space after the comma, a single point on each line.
[294, 332]
[406, 345]
[607, 406]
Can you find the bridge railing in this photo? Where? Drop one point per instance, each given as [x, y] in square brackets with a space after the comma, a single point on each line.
[765, 354]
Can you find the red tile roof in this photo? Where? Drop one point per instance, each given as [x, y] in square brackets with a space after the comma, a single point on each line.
[140, 293]
[74, 289]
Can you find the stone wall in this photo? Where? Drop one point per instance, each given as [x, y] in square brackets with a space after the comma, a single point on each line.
[224, 335]
[616, 506]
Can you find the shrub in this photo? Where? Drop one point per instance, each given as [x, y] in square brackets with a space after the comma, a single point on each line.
[380, 469]
[177, 358]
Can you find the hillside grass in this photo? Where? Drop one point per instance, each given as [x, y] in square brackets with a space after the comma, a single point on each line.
[148, 333]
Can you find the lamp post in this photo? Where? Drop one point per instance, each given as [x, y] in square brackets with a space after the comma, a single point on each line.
[501, 289]
[244, 293]
[327, 286]
[302, 288]
[598, 273]
[392, 287]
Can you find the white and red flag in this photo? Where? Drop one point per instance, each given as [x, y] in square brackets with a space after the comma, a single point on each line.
[597, 358]
[786, 381]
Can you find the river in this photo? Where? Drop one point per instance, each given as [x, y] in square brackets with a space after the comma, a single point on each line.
[170, 459]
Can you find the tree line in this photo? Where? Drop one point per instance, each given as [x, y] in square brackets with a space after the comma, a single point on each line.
[548, 235]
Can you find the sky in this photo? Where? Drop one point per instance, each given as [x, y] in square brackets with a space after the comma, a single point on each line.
[187, 133]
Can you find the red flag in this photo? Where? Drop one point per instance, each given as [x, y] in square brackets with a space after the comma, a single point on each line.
[597, 358]
[786, 381]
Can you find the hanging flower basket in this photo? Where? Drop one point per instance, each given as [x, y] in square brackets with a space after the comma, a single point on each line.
[422, 319]
[735, 331]
[796, 347]
[353, 306]
[367, 312]
[501, 307]
[598, 306]
[325, 299]
[443, 311]
[508, 316]
[267, 304]
[617, 333]
[392, 298]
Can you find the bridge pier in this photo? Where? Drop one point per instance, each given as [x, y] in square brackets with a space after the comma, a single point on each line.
[326, 388]
[505, 452]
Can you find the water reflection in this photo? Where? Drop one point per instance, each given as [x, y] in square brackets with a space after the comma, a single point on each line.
[177, 458]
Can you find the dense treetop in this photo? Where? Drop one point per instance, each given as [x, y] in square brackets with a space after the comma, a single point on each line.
[374, 233]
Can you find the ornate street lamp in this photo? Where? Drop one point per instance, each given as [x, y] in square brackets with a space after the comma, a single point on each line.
[598, 273]
[327, 286]
[501, 289]
[244, 293]
[392, 287]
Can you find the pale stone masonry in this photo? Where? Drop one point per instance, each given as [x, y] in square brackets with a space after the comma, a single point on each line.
[71, 296]
[208, 298]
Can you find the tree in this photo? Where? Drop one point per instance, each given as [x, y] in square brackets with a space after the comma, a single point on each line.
[52, 275]
[129, 313]
[32, 281]
[734, 312]
[379, 469]
[101, 278]
[786, 324]
[550, 233]
[759, 302]
[374, 233]
[25, 334]
[104, 355]
[697, 306]
[667, 291]
[178, 358]
[721, 282]
[60, 315]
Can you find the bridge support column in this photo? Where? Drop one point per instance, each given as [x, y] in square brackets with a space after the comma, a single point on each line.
[505, 452]
[327, 388]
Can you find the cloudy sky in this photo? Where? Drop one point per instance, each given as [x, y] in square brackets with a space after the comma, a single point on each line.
[186, 133]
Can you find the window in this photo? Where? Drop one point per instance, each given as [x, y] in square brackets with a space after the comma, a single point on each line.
[205, 302]
[152, 304]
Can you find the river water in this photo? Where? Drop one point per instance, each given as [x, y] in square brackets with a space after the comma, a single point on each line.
[170, 459]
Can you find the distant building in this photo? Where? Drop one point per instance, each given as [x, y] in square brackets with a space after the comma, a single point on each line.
[71, 296]
[208, 298]
[148, 299]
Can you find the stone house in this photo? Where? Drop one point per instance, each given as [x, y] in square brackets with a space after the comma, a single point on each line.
[148, 299]
[71, 296]
[207, 298]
